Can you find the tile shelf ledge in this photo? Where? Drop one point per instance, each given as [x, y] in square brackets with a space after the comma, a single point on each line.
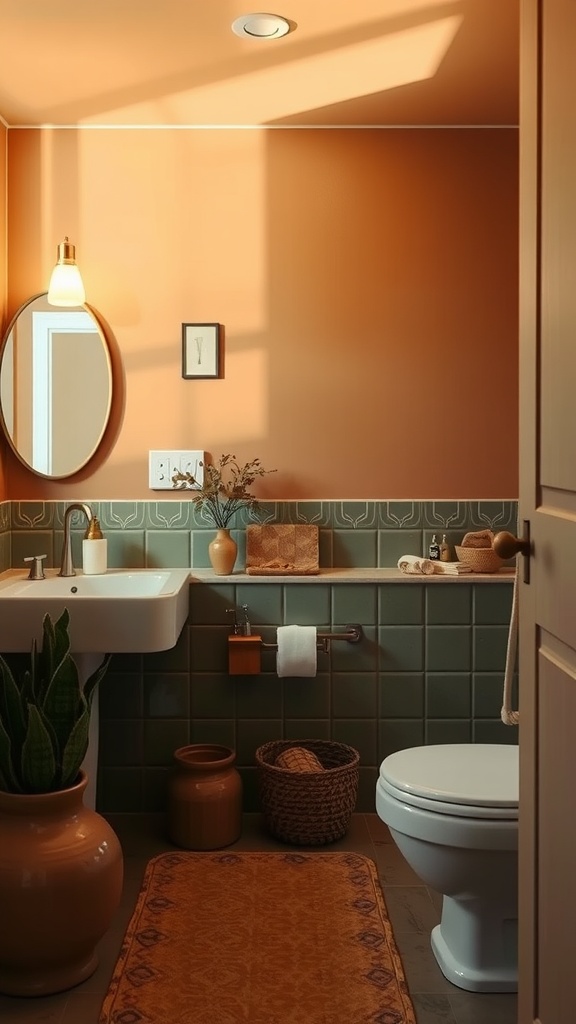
[504, 575]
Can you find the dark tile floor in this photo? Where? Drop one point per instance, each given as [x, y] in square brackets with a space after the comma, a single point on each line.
[413, 910]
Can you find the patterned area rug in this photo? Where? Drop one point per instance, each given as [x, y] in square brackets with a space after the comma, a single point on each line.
[259, 938]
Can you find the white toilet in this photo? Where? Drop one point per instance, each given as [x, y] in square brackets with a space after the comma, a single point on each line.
[452, 810]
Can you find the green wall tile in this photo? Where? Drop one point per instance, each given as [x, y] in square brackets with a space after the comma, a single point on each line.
[121, 742]
[492, 605]
[307, 729]
[264, 600]
[155, 789]
[399, 734]
[354, 548]
[208, 603]
[209, 648]
[307, 698]
[362, 656]
[162, 737]
[121, 695]
[392, 544]
[251, 734]
[166, 695]
[355, 602]
[488, 689]
[119, 789]
[307, 606]
[400, 605]
[354, 695]
[221, 731]
[449, 605]
[34, 542]
[401, 695]
[448, 648]
[486, 731]
[126, 549]
[448, 695]
[259, 697]
[448, 731]
[401, 648]
[358, 733]
[167, 549]
[490, 644]
[213, 695]
[374, 690]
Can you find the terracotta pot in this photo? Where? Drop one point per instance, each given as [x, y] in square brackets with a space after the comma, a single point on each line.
[61, 870]
[222, 551]
[204, 797]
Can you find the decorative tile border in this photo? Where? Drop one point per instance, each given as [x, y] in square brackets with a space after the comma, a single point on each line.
[352, 533]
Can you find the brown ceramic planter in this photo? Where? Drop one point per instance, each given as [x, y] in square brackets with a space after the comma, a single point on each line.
[61, 871]
[204, 797]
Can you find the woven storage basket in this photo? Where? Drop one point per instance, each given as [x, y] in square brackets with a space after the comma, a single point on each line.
[308, 808]
[480, 559]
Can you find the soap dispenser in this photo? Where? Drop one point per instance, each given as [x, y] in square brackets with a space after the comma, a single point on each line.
[444, 549]
[94, 550]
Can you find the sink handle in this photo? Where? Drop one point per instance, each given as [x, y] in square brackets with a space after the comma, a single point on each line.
[36, 569]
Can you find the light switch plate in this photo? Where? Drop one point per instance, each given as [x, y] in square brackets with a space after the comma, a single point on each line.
[162, 465]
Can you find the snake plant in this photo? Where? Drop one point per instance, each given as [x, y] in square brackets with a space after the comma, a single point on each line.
[45, 715]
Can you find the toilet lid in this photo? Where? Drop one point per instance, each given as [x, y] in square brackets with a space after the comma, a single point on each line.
[470, 774]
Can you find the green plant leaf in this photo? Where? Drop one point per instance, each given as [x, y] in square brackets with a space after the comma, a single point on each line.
[93, 680]
[55, 646]
[38, 761]
[12, 707]
[63, 700]
[9, 781]
[75, 749]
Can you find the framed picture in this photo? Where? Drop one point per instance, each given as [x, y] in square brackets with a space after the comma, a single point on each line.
[200, 350]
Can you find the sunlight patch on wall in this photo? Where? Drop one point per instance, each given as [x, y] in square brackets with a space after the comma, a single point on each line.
[345, 73]
[236, 407]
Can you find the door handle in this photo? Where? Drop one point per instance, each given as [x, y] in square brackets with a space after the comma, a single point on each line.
[507, 545]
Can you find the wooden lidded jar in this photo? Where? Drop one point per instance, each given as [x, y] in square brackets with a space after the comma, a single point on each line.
[204, 797]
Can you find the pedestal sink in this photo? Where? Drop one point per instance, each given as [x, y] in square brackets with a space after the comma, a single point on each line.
[125, 610]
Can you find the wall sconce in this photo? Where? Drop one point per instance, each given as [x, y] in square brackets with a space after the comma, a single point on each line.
[66, 287]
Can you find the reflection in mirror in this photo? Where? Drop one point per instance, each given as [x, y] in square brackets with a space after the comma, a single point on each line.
[55, 386]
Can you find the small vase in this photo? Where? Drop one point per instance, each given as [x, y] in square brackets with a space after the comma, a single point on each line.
[60, 886]
[222, 551]
[204, 797]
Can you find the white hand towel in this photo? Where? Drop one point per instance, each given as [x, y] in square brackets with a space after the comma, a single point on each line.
[296, 651]
[451, 568]
[412, 565]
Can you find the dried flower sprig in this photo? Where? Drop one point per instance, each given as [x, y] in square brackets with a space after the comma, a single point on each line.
[225, 488]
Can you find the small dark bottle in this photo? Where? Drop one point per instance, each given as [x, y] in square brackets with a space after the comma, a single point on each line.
[434, 550]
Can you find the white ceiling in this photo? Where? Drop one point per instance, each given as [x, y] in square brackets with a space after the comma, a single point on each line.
[177, 62]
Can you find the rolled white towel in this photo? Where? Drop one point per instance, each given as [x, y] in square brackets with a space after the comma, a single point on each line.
[415, 566]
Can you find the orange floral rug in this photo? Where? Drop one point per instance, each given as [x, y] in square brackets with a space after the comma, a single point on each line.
[259, 938]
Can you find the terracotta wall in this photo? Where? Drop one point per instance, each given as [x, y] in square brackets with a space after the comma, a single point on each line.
[3, 277]
[366, 280]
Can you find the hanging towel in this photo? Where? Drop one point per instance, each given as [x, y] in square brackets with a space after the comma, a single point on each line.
[510, 717]
[296, 651]
[415, 566]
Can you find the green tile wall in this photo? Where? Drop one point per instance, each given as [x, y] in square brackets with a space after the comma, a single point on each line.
[438, 680]
[429, 669]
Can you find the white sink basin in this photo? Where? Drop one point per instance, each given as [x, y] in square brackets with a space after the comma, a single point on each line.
[135, 610]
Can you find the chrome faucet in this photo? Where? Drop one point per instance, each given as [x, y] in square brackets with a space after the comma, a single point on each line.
[67, 566]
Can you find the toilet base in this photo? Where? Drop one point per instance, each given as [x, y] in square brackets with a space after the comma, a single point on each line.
[475, 949]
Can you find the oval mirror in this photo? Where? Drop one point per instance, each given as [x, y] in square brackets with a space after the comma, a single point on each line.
[55, 386]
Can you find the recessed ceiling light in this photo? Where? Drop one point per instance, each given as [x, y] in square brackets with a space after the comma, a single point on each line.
[260, 26]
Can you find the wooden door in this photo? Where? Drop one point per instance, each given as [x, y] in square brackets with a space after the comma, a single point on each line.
[547, 926]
